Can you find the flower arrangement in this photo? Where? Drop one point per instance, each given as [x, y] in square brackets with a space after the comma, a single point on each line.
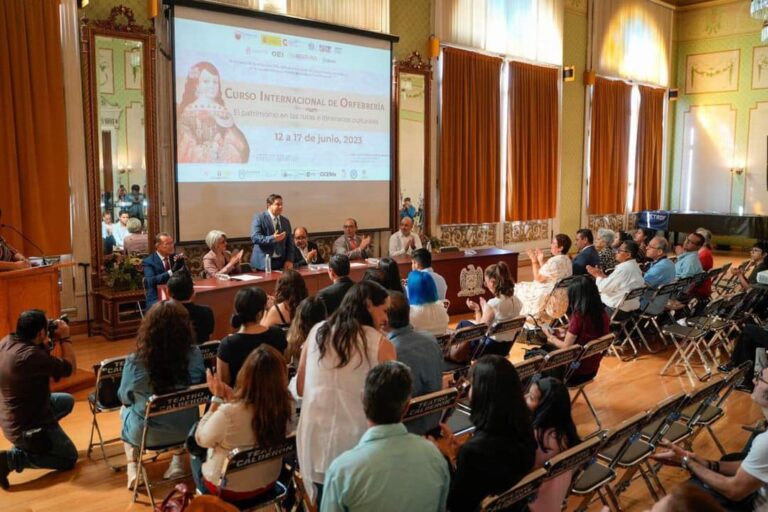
[124, 272]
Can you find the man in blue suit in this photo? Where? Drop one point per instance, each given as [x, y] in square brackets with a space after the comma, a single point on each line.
[272, 236]
[587, 255]
[160, 266]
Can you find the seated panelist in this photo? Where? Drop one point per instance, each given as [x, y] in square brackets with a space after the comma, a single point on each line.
[306, 253]
[354, 246]
[219, 260]
[404, 241]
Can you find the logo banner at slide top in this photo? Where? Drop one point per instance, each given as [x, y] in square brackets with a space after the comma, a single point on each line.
[657, 219]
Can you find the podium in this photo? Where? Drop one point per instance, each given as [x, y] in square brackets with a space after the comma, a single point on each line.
[28, 288]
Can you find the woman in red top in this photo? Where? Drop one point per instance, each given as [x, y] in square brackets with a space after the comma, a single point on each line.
[707, 262]
[588, 321]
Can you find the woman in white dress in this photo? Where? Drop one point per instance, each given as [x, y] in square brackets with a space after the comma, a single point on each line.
[334, 362]
[533, 294]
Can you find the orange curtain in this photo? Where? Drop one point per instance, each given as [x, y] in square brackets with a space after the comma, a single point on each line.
[34, 193]
[611, 105]
[469, 138]
[650, 128]
[532, 142]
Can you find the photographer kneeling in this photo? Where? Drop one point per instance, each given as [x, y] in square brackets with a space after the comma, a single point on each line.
[29, 412]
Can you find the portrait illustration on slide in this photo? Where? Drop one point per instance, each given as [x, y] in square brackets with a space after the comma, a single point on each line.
[206, 130]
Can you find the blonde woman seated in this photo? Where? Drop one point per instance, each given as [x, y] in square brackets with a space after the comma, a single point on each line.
[428, 312]
[533, 294]
[219, 260]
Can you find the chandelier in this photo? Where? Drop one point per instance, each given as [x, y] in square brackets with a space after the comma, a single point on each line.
[759, 10]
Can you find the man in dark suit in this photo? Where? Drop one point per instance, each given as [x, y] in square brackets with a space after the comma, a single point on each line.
[306, 252]
[160, 266]
[338, 271]
[587, 255]
[182, 290]
[271, 236]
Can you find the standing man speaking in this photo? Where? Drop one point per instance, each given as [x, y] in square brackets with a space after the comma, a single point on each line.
[271, 236]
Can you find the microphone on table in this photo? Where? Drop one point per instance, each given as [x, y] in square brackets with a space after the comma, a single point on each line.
[30, 242]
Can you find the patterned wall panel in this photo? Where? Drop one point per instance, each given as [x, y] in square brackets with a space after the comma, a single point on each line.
[528, 231]
[614, 222]
[412, 21]
[100, 9]
[468, 235]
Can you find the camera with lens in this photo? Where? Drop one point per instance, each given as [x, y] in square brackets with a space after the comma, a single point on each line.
[53, 326]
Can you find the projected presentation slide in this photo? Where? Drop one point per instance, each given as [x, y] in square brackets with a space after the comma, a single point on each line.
[265, 106]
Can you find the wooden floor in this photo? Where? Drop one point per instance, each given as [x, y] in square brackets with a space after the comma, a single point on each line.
[620, 390]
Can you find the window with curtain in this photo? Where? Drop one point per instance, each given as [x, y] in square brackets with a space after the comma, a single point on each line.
[631, 39]
[528, 29]
[532, 142]
[650, 141]
[470, 138]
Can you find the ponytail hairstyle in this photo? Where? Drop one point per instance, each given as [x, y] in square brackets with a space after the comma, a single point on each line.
[249, 306]
[499, 273]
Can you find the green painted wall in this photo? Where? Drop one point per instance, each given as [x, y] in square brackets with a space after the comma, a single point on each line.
[412, 21]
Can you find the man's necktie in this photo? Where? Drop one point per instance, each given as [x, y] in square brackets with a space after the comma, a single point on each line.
[352, 244]
[279, 246]
[166, 264]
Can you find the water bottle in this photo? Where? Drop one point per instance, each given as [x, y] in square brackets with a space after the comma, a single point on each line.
[267, 263]
[429, 245]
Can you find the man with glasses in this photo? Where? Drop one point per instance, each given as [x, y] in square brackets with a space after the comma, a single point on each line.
[355, 247]
[306, 252]
[626, 277]
[688, 263]
[272, 237]
[736, 484]
[661, 272]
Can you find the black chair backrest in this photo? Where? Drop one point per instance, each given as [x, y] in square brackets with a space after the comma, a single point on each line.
[193, 396]
[524, 489]
[635, 293]
[565, 282]
[667, 411]
[625, 434]
[574, 458]
[505, 326]
[444, 340]
[108, 375]
[241, 458]
[561, 357]
[597, 346]
[210, 350]
[667, 290]
[470, 333]
[704, 395]
[529, 367]
[431, 403]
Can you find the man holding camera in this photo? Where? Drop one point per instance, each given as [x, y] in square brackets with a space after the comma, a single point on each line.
[29, 412]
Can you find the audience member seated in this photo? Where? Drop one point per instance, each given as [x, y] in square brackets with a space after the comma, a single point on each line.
[135, 242]
[120, 229]
[10, 258]
[166, 360]
[338, 271]
[257, 413]
[604, 246]
[503, 306]
[427, 312]
[420, 352]
[182, 290]
[376, 275]
[587, 255]
[289, 292]
[394, 282]
[533, 294]
[688, 263]
[550, 405]
[389, 469]
[404, 241]
[106, 233]
[421, 260]
[503, 448]
[354, 246]
[29, 412]
[735, 484]
[160, 266]
[660, 272]
[707, 260]
[588, 321]
[626, 277]
[641, 237]
[135, 200]
[234, 349]
[747, 275]
[334, 362]
[307, 252]
[310, 312]
[750, 339]
[219, 260]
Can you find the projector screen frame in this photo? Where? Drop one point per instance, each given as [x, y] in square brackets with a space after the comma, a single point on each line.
[304, 22]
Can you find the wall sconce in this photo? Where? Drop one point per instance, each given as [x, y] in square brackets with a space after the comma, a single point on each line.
[569, 74]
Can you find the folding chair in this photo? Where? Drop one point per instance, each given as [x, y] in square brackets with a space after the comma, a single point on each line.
[524, 490]
[561, 359]
[209, 349]
[599, 474]
[686, 340]
[471, 334]
[650, 314]
[160, 405]
[715, 275]
[432, 403]
[561, 284]
[105, 399]
[594, 348]
[726, 283]
[508, 329]
[576, 459]
[240, 459]
[620, 319]
[527, 368]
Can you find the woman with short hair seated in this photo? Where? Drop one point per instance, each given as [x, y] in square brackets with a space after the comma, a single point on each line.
[165, 361]
[219, 260]
[533, 294]
[257, 413]
[604, 246]
[555, 432]
[428, 312]
[235, 348]
[136, 242]
[289, 292]
[503, 448]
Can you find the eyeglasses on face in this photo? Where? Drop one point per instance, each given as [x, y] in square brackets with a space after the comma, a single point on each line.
[348, 226]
